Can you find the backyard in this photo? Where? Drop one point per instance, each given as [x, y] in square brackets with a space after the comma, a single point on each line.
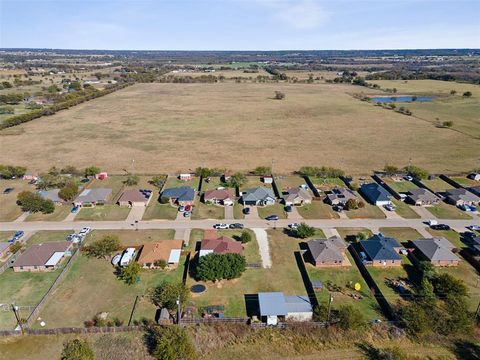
[317, 210]
[131, 237]
[445, 211]
[402, 234]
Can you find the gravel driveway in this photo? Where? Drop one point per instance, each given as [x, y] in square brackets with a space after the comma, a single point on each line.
[262, 239]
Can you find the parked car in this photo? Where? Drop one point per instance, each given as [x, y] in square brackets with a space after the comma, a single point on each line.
[432, 222]
[440, 227]
[468, 235]
[294, 226]
[474, 227]
[181, 208]
[288, 208]
[188, 208]
[8, 190]
[246, 211]
[84, 231]
[236, 226]
[220, 226]
[272, 218]
[389, 207]
[18, 235]
[186, 214]
[337, 208]
[75, 209]
[408, 178]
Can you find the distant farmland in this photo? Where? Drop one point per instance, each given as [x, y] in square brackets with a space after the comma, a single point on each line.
[172, 127]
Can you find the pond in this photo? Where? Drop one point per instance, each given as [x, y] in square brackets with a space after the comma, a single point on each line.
[405, 98]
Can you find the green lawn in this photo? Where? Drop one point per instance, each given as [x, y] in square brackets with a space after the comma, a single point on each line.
[156, 210]
[402, 234]
[238, 211]
[60, 213]
[275, 209]
[253, 182]
[346, 278]
[317, 210]
[404, 210]
[132, 237]
[173, 181]
[326, 183]
[400, 186]
[92, 284]
[251, 251]
[437, 185]
[290, 181]
[207, 211]
[41, 237]
[283, 276]
[23, 289]
[346, 232]
[445, 211]
[450, 235]
[367, 212]
[6, 235]
[465, 181]
[102, 213]
[213, 183]
[9, 210]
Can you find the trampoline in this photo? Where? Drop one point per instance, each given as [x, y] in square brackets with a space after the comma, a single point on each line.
[198, 288]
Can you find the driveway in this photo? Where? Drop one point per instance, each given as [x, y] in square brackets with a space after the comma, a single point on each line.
[423, 212]
[262, 240]
[136, 213]
[294, 215]
[389, 214]
[182, 234]
[228, 213]
[22, 217]
[253, 213]
[70, 216]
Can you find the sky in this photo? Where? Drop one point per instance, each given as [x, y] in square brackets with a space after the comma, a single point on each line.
[239, 24]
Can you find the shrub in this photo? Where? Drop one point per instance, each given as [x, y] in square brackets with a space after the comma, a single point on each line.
[416, 172]
[131, 180]
[77, 349]
[447, 124]
[305, 231]
[279, 95]
[160, 263]
[467, 94]
[390, 169]
[350, 318]
[237, 180]
[262, 170]
[129, 274]
[10, 172]
[214, 267]
[172, 343]
[92, 171]
[15, 247]
[166, 294]
[69, 192]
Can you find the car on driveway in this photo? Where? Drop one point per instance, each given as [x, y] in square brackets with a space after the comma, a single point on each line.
[389, 207]
[474, 227]
[288, 208]
[8, 190]
[220, 226]
[186, 214]
[188, 208]
[236, 226]
[181, 208]
[75, 209]
[18, 235]
[84, 231]
[294, 226]
[272, 218]
[246, 211]
[440, 227]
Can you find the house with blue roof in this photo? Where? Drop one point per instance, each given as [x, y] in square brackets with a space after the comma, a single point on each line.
[380, 250]
[375, 194]
[182, 195]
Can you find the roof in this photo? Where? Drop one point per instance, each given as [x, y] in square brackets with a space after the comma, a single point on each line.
[210, 234]
[93, 195]
[50, 195]
[374, 192]
[421, 194]
[133, 195]
[462, 194]
[379, 248]
[475, 190]
[219, 194]
[322, 250]
[342, 194]
[293, 193]
[55, 258]
[160, 250]
[181, 193]
[222, 245]
[272, 303]
[434, 250]
[298, 304]
[258, 194]
[40, 254]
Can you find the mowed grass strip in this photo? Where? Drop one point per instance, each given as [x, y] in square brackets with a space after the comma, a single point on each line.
[275, 209]
[445, 211]
[405, 210]
[132, 237]
[317, 210]
[402, 234]
[60, 213]
[102, 213]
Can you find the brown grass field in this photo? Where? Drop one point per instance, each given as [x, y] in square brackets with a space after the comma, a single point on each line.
[173, 127]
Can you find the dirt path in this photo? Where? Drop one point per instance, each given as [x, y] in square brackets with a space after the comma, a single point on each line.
[262, 239]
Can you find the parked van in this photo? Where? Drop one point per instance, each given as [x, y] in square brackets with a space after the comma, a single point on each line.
[127, 257]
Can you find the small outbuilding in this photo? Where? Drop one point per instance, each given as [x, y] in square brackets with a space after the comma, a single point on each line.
[275, 307]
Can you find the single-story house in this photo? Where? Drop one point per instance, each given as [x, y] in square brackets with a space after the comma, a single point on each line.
[166, 250]
[4, 249]
[267, 179]
[339, 196]
[219, 245]
[51, 195]
[375, 194]
[135, 197]
[422, 197]
[327, 252]
[258, 196]
[436, 250]
[461, 197]
[220, 196]
[92, 197]
[297, 196]
[474, 176]
[275, 307]
[42, 257]
[475, 190]
[379, 250]
[185, 176]
[182, 195]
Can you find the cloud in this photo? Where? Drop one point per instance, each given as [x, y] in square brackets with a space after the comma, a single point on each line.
[302, 14]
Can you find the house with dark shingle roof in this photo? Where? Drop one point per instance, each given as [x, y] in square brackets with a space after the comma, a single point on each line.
[221, 245]
[92, 197]
[258, 196]
[42, 257]
[475, 190]
[339, 196]
[375, 194]
[422, 197]
[379, 250]
[221, 196]
[51, 195]
[182, 195]
[297, 196]
[327, 252]
[438, 251]
[461, 196]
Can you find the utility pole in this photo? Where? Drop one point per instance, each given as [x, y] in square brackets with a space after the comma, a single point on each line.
[178, 310]
[15, 311]
[133, 166]
[329, 308]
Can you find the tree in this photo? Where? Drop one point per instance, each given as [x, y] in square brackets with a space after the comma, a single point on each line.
[305, 231]
[77, 349]
[69, 169]
[92, 171]
[160, 263]
[350, 318]
[166, 295]
[447, 124]
[206, 172]
[130, 273]
[351, 204]
[467, 94]
[172, 343]
[75, 85]
[214, 267]
[131, 180]
[453, 92]
[11, 172]
[15, 247]
[414, 318]
[245, 237]
[446, 285]
[390, 169]
[69, 192]
[262, 170]
[237, 180]
[33, 202]
[157, 181]
[103, 247]
[320, 313]
[416, 172]
[279, 95]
